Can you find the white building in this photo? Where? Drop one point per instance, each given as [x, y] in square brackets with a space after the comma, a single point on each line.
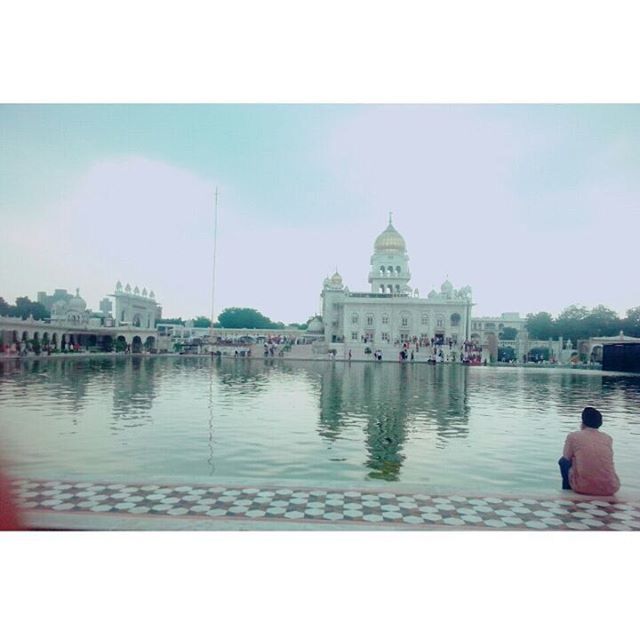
[392, 312]
[135, 308]
[484, 326]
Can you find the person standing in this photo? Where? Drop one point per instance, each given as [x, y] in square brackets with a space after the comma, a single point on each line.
[587, 465]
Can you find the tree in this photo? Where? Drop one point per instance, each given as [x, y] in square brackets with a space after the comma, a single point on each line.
[245, 318]
[601, 321]
[570, 323]
[631, 324]
[4, 307]
[508, 333]
[540, 326]
[24, 308]
[202, 322]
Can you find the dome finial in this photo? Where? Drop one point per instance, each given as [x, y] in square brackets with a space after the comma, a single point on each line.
[390, 217]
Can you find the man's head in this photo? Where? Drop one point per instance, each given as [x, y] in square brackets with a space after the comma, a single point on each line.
[591, 417]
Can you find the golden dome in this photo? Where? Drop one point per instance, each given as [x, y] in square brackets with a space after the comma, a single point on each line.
[336, 279]
[390, 240]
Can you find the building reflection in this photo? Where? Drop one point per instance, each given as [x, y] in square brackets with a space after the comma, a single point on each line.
[392, 402]
[134, 383]
[64, 380]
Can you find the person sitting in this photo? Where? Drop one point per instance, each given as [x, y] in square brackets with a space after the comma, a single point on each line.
[587, 459]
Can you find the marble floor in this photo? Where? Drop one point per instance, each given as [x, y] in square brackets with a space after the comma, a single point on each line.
[125, 506]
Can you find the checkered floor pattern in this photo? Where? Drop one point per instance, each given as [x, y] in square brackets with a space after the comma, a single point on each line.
[323, 506]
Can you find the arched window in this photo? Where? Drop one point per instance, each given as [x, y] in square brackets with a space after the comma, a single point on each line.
[390, 270]
[122, 316]
[405, 321]
[389, 288]
[381, 288]
[385, 319]
[354, 318]
[425, 318]
[382, 271]
[398, 270]
[370, 320]
[397, 288]
[455, 319]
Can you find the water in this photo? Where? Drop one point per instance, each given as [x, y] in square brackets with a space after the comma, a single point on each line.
[447, 427]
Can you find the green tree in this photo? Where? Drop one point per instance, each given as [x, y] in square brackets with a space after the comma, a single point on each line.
[571, 323]
[541, 326]
[245, 318]
[508, 333]
[4, 307]
[601, 321]
[201, 321]
[631, 324]
[24, 308]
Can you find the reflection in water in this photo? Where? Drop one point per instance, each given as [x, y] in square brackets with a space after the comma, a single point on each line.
[393, 400]
[447, 425]
[133, 390]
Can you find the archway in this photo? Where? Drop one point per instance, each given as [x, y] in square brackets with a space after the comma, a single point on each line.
[149, 343]
[121, 344]
[136, 345]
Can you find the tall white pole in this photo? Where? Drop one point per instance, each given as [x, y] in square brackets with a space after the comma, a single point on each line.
[213, 272]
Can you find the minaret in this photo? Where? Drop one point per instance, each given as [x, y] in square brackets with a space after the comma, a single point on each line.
[390, 263]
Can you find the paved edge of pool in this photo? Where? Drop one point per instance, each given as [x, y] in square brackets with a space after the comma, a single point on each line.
[122, 506]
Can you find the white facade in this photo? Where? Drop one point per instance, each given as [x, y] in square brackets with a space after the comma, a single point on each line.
[484, 326]
[393, 313]
[135, 308]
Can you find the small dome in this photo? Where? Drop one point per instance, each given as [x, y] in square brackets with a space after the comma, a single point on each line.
[390, 241]
[144, 292]
[128, 288]
[152, 295]
[446, 287]
[336, 279]
[118, 286]
[77, 303]
[136, 291]
[315, 326]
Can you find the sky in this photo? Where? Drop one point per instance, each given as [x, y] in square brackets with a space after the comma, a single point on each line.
[535, 207]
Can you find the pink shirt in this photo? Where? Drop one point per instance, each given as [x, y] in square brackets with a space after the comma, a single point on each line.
[591, 455]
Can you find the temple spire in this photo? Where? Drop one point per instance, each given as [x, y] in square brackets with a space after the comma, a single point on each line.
[390, 214]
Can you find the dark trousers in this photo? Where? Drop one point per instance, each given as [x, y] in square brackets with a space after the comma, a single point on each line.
[565, 465]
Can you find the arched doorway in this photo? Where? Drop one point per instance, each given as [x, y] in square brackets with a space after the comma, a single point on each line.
[150, 343]
[121, 344]
[106, 344]
[136, 345]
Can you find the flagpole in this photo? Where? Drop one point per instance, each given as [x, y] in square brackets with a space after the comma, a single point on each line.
[213, 271]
